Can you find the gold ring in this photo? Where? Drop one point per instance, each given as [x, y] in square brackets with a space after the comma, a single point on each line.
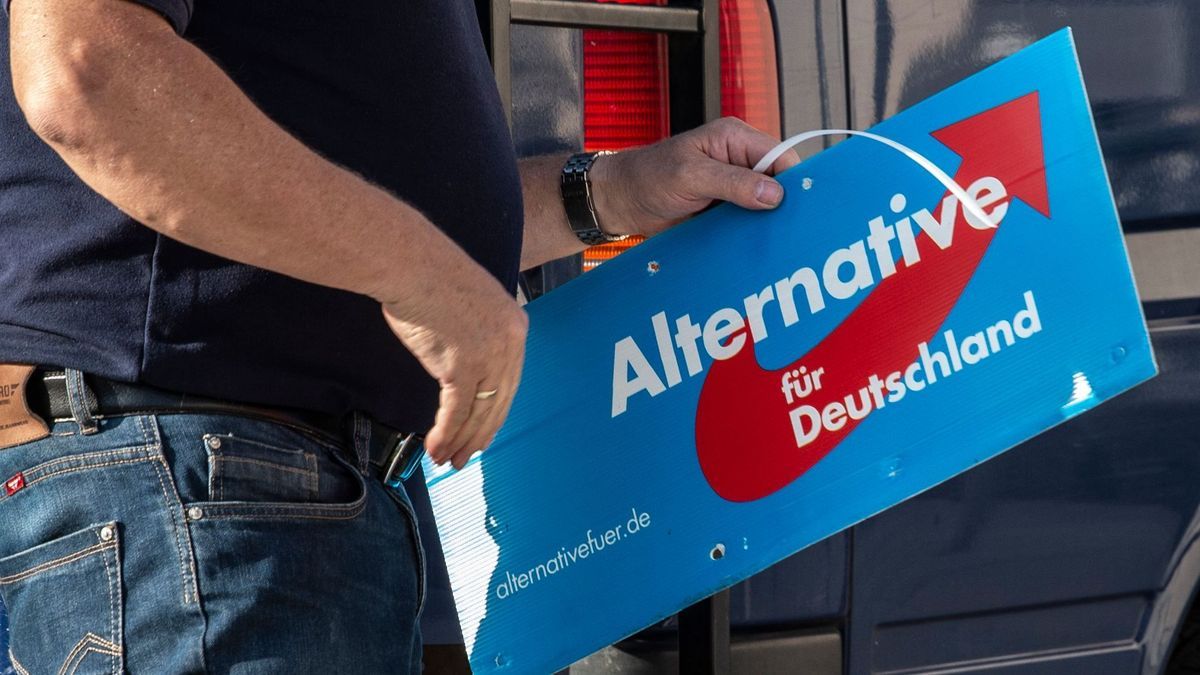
[485, 395]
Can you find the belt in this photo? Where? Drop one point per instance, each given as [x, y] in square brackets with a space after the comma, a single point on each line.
[394, 455]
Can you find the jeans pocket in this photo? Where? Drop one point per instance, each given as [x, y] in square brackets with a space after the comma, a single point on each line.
[241, 469]
[65, 605]
[262, 471]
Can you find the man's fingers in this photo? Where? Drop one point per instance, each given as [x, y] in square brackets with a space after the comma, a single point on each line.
[486, 418]
[716, 180]
[484, 426]
[498, 409]
[758, 144]
[747, 145]
[460, 458]
[495, 416]
[786, 161]
[454, 408]
[486, 434]
[476, 423]
[466, 439]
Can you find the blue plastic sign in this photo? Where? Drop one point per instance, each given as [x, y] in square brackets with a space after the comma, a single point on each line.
[750, 383]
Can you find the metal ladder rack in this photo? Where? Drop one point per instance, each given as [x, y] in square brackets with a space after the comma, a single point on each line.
[693, 40]
[694, 76]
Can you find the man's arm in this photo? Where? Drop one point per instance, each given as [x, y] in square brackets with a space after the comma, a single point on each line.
[646, 190]
[154, 126]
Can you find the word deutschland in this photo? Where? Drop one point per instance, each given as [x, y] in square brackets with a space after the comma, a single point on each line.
[721, 334]
[930, 368]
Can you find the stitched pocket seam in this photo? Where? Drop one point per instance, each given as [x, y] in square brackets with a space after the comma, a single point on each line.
[81, 462]
[410, 513]
[16, 664]
[56, 563]
[90, 643]
[269, 511]
[237, 440]
[270, 465]
[85, 459]
[108, 542]
[217, 511]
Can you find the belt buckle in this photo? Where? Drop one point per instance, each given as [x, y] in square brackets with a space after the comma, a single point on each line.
[404, 457]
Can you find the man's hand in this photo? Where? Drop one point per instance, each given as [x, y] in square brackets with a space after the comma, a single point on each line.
[649, 189]
[472, 340]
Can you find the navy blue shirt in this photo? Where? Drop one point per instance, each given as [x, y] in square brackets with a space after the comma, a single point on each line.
[399, 92]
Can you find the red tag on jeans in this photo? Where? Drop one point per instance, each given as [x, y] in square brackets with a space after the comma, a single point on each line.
[14, 484]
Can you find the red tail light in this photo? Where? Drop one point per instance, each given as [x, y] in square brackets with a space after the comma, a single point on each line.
[626, 99]
[749, 78]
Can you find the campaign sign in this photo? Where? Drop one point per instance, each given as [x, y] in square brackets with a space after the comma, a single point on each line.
[750, 383]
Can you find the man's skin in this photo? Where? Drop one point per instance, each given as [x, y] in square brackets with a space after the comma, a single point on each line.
[155, 127]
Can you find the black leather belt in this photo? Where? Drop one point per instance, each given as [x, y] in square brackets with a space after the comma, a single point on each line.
[394, 455]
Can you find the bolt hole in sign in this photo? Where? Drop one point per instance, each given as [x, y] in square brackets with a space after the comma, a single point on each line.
[782, 376]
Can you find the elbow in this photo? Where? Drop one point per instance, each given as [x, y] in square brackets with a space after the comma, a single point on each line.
[63, 97]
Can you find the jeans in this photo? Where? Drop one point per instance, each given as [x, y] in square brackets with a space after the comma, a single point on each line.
[197, 543]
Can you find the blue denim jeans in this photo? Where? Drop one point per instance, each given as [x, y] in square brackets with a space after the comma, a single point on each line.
[189, 543]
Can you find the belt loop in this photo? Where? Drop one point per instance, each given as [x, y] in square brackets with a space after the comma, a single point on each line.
[82, 404]
[362, 441]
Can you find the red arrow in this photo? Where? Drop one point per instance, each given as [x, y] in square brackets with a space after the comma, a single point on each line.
[744, 437]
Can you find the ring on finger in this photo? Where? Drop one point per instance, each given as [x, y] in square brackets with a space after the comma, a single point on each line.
[485, 395]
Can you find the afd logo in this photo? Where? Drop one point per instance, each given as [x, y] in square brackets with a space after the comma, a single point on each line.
[749, 441]
[752, 438]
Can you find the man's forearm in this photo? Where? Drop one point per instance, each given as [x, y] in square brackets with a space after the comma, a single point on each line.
[547, 235]
[166, 136]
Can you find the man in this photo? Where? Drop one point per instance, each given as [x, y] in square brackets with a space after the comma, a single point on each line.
[247, 246]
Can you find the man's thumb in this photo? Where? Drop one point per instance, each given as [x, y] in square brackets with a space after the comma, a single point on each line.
[743, 187]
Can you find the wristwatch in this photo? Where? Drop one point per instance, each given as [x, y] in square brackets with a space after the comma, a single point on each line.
[577, 199]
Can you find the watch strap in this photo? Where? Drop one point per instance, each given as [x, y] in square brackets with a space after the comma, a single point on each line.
[576, 188]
